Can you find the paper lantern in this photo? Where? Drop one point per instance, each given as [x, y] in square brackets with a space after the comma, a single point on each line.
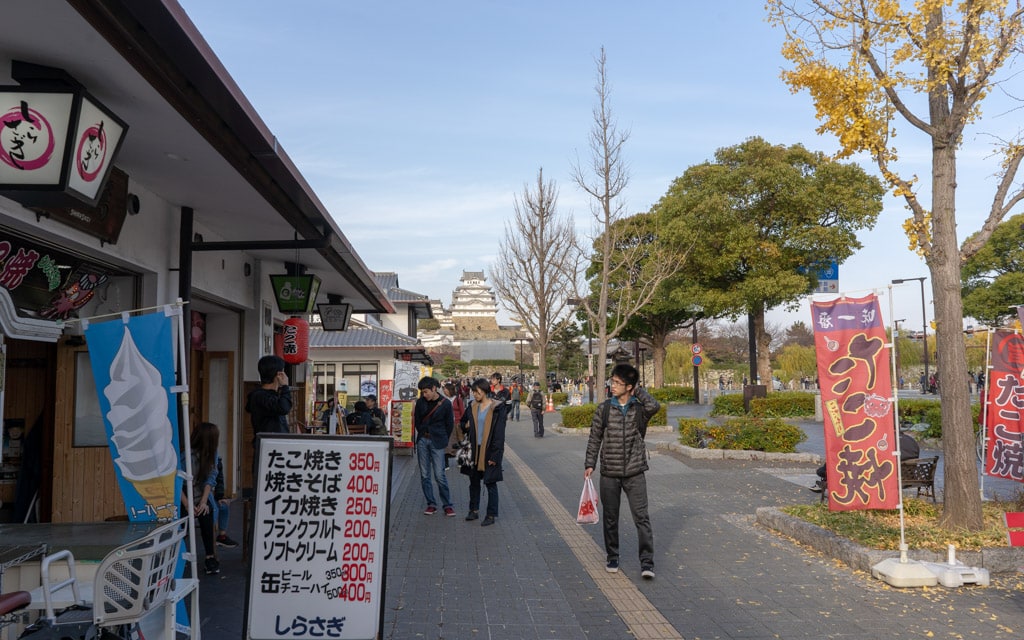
[295, 337]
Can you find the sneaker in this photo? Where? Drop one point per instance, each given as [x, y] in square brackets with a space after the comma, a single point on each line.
[472, 515]
[429, 511]
[612, 566]
[450, 512]
[818, 487]
[212, 566]
[488, 521]
[224, 541]
[647, 573]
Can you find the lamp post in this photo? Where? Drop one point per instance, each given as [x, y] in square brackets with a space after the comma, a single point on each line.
[924, 325]
[896, 350]
[520, 342]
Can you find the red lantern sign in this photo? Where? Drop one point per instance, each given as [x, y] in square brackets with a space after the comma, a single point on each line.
[295, 340]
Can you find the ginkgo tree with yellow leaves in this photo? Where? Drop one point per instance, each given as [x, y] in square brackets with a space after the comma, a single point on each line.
[875, 67]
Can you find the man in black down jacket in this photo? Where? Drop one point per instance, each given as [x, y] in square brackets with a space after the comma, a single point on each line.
[617, 434]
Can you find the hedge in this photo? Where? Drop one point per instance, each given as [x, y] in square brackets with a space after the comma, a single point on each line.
[672, 394]
[780, 404]
[930, 412]
[748, 433]
[580, 417]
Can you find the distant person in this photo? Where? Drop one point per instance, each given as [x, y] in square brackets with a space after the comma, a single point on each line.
[360, 418]
[484, 424]
[433, 422]
[517, 398]
[380, 423]
[500, 392]
[617, 434]
[536, 404]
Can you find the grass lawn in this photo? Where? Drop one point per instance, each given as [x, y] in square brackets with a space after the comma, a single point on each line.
[881, 529]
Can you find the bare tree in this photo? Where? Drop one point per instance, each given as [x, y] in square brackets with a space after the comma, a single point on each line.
[536, 264]
[626, 266]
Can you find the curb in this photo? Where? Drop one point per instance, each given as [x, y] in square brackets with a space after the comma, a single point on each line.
[738, 454]
[995, 559]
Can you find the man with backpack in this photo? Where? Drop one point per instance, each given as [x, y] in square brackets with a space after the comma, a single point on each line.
[617, 433]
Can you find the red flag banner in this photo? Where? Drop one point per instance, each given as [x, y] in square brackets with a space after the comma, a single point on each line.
[856, 387]
[1004, 453]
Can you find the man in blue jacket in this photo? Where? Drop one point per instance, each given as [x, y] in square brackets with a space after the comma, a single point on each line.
[617, 434]
[433, 422]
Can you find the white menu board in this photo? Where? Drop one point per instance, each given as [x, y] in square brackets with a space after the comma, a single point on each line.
[319, 537]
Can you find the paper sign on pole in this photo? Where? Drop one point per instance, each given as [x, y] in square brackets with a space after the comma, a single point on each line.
[319, 532]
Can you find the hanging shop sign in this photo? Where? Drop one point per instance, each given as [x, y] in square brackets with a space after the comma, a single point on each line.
[334, 317]
[295, 294]
[57, 142]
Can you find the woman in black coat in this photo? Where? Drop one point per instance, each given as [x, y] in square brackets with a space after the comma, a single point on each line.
[483, 422]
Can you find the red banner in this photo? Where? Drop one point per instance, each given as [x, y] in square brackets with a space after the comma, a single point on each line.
[856, 387]
[1004, 450]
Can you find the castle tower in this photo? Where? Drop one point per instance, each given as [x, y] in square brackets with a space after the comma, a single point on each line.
[474, 305]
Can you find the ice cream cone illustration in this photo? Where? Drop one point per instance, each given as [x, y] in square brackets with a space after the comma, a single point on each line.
[159, 494]
[142, 432]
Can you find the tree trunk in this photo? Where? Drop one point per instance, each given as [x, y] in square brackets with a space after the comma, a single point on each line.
[658, 352]
[764, 355]
[962, 493]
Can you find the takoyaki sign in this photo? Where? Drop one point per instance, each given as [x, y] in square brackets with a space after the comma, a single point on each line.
[55, 139]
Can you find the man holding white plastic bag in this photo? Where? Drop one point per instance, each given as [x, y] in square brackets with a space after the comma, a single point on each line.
[617, 433]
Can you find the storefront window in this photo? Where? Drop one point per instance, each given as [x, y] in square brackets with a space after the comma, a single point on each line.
[324, 379]
[362, 378]
[89, 430]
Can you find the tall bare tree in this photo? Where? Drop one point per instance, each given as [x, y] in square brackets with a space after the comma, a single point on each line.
[537, 264]
[627, 263]
[874, 68]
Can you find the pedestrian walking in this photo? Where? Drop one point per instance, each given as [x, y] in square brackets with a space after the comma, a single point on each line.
[433, 422]
[484, 424]
[617, 433]
[536, 404]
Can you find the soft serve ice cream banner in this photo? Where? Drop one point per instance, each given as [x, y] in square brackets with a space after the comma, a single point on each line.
[133, 365]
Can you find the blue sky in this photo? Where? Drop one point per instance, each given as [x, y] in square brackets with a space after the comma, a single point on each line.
[417, 123]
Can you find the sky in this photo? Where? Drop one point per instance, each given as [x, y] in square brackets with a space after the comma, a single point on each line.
[419, 123]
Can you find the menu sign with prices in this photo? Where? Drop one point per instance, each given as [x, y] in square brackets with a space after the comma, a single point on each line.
[319, 537]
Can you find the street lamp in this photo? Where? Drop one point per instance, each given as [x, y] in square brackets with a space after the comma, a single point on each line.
[924, 325]
[521, 342]
[643, 367]
[896, 350]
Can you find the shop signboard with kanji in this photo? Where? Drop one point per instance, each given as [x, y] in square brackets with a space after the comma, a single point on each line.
[319, 537]
[856, 386]
[1004, 451]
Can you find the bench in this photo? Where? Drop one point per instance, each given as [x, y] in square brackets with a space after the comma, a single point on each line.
[1015, 528]
[917, 473]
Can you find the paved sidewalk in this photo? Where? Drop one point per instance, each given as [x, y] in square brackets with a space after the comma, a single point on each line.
[536, 574]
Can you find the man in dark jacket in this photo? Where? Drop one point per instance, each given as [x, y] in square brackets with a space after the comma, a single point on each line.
[433, 422]
[617, 434]
[536, 404]
[270, 405]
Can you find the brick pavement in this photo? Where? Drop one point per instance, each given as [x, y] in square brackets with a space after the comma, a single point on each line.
[536, 574]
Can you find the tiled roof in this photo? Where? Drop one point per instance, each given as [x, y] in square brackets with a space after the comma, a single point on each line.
[360, 336]
[388, 281]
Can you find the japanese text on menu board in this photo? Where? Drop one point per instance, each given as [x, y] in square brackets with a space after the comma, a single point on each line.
[319, 538]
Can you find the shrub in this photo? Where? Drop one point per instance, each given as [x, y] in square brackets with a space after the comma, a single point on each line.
[559, 398]
[672, 394]
[748, 433]
[784, 404]
[580, 417]
[930, 412]
[693, 432]
[729, 404]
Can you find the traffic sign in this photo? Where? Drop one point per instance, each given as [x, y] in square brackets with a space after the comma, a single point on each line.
[697, 360]
[696, 349]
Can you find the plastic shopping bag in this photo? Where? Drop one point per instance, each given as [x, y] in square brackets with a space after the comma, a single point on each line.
[587, 513]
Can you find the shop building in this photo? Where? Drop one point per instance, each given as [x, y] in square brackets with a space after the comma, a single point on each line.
[201, 204]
